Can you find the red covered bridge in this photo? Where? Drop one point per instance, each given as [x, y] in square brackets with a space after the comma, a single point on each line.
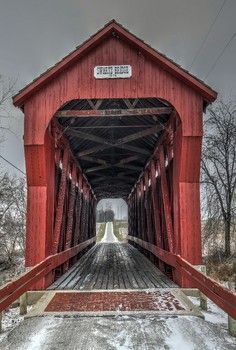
[115, 118]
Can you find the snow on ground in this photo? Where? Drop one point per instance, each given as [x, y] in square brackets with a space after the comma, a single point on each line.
[45, 329]
[109, 236]
[161, 333]
[10, 319]
[140, 332]
[214, 314]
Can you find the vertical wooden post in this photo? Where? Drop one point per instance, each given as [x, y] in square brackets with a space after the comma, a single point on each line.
[166, 201]
[186, 197]
[156, 213]
[142, 215]
[79, 209]
[60, 202]
[132, 214]
[36, 214]
[71, 208]
[68, 238]
[203, 298]
[147, 207]
[231, 320]
[23, 304]
[189, 201]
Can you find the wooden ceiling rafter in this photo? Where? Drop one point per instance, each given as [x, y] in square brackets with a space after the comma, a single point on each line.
[105, 138]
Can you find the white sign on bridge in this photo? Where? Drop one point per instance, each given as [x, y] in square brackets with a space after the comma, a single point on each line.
[112, 72]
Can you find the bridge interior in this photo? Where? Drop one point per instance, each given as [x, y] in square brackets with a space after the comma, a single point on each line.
[112, 142]
[113, 266]
[112, 139]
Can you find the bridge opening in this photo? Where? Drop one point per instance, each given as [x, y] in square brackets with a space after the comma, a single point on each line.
[120, 147]
[112, 210]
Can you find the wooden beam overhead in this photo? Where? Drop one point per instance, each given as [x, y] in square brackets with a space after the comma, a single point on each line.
[117, 143]
[94, 160]
[104, 162]
[139, 134]
[129, 159]
[110, 126]
[117, 165]
[129, 104]
[91, 137]
[115, 183]
[73, 113]
[100, 148]
[109, 178]
[112, 186]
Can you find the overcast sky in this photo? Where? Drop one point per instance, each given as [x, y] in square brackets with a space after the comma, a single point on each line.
[35, 34]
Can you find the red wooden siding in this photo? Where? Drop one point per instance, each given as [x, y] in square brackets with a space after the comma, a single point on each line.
[174, 211]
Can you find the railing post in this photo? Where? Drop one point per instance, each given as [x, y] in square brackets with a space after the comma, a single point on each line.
[231, 320]
[203, 298]
[23, 304]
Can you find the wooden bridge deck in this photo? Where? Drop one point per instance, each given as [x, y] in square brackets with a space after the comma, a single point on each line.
[113, 266]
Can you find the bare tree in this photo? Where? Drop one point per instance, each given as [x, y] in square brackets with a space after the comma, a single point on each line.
[7, 89]
[219, 167]
[12, 217]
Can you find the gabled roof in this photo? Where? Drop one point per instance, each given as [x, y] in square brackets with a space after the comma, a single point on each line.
[207, 93]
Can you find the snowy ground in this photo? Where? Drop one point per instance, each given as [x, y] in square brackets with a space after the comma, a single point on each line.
[109, 236]
[214, 314]
[10, 319]
[122, 332]
[118, 333]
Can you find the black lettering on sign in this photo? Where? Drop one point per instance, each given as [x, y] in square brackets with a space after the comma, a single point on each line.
[116, 71]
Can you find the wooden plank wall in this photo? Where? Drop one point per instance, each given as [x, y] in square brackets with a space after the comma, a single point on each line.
[148, 80]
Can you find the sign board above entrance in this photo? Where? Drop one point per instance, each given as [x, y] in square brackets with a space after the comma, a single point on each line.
[112, 72]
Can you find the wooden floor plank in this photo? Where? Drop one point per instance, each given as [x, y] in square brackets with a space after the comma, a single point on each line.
[95, 268]
[86, 273]
[113, 266]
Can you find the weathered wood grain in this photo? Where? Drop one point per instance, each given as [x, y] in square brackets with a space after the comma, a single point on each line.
[113, 266]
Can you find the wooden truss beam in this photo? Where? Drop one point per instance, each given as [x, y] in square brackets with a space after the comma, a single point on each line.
[129, 104]
[112, 195]
[94, 160]
[117, 165]
[126, 179]
[95, 105]
[137, 135]
[111, 126]
[113, 112]
[112, 187]
[104, 162]
[106, 165]
[96, 149]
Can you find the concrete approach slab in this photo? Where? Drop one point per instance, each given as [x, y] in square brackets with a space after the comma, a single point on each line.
[168, 301]
[123, 332]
